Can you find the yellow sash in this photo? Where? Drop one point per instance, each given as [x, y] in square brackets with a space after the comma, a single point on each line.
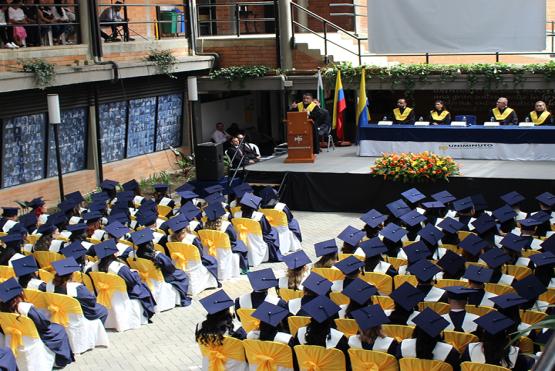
[501, 116]
[310, 107]
[439, 117]
[539, 120]
[402, 116]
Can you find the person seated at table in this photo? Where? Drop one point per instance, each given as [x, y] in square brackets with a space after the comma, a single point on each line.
[112, 17]
[403, 114]
[503, 114]
[540, 115]
[439, 115]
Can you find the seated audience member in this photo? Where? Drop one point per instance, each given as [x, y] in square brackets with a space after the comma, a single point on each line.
[313, 286]
[261, 281]
[351, 237]
[10, 249]
[426, 341]
[9, 218]
[248, 148]
[439, 115]
[314, 112]
[370, 334]
[373, 223]
[219, 321]
[459, 319]
[503, 114]
[6, 32]
[327, 252]
[273, 324]
[52, 335]
[540, 115]
[373, 259]
[403, 114]
[220, 135]
[25, 270]
[113, 18]
[233, 129]
[494, 346]
[17, 18]
[270, 200]
[237, 154]
[48, 233]
[360, 294]
[298, 269]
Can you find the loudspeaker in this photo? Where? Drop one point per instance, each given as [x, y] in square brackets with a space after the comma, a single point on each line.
[209, 161]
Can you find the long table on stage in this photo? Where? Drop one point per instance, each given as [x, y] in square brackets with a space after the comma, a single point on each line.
[472, 142]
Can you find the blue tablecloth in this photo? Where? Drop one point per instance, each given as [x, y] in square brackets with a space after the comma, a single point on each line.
[476, 134]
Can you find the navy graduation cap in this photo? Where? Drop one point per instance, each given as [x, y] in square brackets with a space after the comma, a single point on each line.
[9, 289]
[373, 218]
[351, 235]
[484, 223]
[463, 204]
[431, 322]
[413, 218]
[495, 257]
[451, 263]
[516, 243]
[478, 274]
[424, 270]
[250, 200]
[530, 287]
[473, 244]
[444, 197]
[109, 184]
[546, 198]
[105, 248]
[66, 266]
[373, 247]
[417, 251]
[317, 284]
[117, 230]
[360, 291]
[349, 265]
[325, 248]
[494, 322]
[296, 260]
[504, 213]
[25, 266]
[262, 279]
[270, 313]
[370, 316]
[398, 208]
[413, 195]
[216, 302]
[407, 296]
[512, 198]
[431, 234]
[393, 232]
[74, 249]
[321, 308]
[450, 225]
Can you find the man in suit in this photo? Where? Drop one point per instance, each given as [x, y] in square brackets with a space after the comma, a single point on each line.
[310, 106]
[237, 154]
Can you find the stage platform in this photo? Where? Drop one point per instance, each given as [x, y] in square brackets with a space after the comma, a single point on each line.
[340, 181]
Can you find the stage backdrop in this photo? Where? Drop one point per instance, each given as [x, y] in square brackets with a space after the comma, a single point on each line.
[413, 26]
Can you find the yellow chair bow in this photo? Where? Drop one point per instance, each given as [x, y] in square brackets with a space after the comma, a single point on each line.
[211, 247]
[217, 360]
[264, 362]
[58, 315]
[243, 232]
[180, 260]
[311, 366]
[104, 296]
[371, 366]
[16, 338]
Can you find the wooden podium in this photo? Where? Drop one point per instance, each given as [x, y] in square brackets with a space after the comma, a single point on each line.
[299, 138]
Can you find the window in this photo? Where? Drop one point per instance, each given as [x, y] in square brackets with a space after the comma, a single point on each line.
[140, 131]
[112, 122]
[168, 132]
[73, 150]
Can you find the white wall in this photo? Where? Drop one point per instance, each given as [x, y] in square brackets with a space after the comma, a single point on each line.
[241, 110]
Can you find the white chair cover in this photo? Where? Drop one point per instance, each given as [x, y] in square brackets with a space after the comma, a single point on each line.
[165, 294]
[85, 334]
[125, 314]
[228, 264]
[230, 365]
[33, 355]
[200, 278]
[258, 249]
[288, 242]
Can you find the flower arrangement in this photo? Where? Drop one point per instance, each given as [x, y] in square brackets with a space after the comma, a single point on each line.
[415, 167]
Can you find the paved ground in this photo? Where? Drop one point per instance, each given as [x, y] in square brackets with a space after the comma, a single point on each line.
[168, 343]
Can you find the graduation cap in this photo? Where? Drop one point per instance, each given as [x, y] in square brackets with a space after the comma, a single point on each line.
[431, 234]
[433, 205]
[360, 291]
[530, 223]
[9, 212]
[67, 205]
[214, 198]
[9, 289]
[146, 218]
[463, 204]
[459, 292]
[451, 263]
[46, 228]
[177, 223]
[25, 266]
[262, 279]
[241, 189]
[187, 195]
[105, 248]
[189, 210]
[349, 265]
[450, 225]
[216, 302]
[413, 218]
[495, 257]
[430, 322]
[143, 236]
[36, 203]
[250, 200]
[473, 244]
[478, 274]
[494, 322]
[92, 216]
[407, 296]
[516, 243]
[100, 197]
[543, 259]
[131, 185]
[373, 218]
[413, 195]
[296, 260]
[120, 217]
[270, 313]
[398, 208]
[373, 247]
[546, 198]
[100, 206]
[125, 197]
[56, 219]
[77, 228]
[512, 198]
[370, 316]
[508, 301]
[484, 223]
[116, 229]
[317, 284]
[351, 235]
[393, 232]
[325, 248]
[29, 221]
[74, 249]
[12, 239]
[76, 196]
[214, 211]
[444, 197]
[66, 266]
[108, 185]
[161, 188]
[424, 270]
[504, 213]
[479, 202]
[18, 229]
[542, 216]
[214, 189]
[268, 194]
[185, 187]
[530, 287]
[417, 251]
[321, 308]
[547, 245]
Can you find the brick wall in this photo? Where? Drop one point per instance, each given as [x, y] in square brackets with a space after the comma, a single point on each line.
[323, 9]
[85, 181]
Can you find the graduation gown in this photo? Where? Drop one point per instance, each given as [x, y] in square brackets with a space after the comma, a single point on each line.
[254, 299]
[269, 234]
[296, 306]
[442, 352]
[34, 284]
[207, 260]
[51, 334]
[461, 321]
[176, 277]
[385, 344]
[432, 293]
[280, 337]
[293, 223]
[91, 309]
[474, 353]
[481, 298]
[7, 360]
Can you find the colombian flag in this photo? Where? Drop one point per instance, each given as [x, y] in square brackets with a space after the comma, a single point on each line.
[339, 106]
[363, 116]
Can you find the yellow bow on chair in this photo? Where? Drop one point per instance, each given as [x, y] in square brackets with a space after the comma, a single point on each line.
[180, 260]
[58, 315]
[371, 366]
[103, 297]
[145, 277]
[311, 366]
[211, 247]
[264, 362]
[16, 338]
[217, 360]
[243, 233]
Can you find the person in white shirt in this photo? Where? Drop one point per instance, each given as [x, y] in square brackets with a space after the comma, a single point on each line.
[113, 18]
[6, 32]
[17, 16]
[219, 135]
